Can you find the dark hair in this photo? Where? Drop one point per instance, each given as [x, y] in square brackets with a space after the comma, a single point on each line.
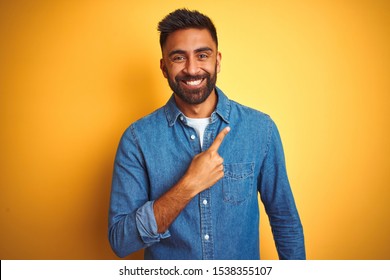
[184, 19]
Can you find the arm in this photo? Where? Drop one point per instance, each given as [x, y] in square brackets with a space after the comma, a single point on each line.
[130, 213]
[204, 171]
[135, 222]
[278, 200]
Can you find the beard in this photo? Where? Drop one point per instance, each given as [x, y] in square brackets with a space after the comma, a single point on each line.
[195, 96]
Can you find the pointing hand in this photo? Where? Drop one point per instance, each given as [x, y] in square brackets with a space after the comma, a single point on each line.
[206, 168]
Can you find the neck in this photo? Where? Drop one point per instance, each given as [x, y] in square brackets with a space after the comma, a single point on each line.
[203, 110]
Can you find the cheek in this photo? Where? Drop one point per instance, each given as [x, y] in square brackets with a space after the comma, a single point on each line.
[212, 69]
[175, 71]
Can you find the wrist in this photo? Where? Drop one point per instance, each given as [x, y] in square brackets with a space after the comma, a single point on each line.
[188, 186]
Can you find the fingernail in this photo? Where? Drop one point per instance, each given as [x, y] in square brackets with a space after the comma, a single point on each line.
[228, 128]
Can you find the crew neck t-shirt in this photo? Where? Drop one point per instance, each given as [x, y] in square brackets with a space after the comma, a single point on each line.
[199, 125]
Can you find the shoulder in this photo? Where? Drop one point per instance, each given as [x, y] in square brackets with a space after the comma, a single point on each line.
[145, 125]
[150, 121]
[253, 123]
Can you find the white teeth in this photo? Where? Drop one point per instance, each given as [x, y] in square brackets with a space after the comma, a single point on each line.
[193, 83]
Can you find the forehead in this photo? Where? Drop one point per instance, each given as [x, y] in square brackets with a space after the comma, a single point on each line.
[189, 40]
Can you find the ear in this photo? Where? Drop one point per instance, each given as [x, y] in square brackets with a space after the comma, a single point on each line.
[163, 68]
[219, 57]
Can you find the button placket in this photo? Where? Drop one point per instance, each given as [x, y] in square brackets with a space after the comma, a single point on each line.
[206, 225]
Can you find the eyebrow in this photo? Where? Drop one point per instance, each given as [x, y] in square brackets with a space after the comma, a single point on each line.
[204, 49]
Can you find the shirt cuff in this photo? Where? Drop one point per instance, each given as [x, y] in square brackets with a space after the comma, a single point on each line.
[147, 226]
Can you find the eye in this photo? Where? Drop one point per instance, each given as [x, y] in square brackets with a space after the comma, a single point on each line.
[178, 58]
[203, 56]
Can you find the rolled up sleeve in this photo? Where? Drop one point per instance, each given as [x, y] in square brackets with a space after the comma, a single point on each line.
[147, 226]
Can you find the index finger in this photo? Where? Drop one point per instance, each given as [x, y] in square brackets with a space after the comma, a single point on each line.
[218, 140]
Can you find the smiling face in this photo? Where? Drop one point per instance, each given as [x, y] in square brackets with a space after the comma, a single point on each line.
[190, 63]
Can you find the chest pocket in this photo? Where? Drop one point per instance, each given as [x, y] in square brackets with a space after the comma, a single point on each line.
[237, 182]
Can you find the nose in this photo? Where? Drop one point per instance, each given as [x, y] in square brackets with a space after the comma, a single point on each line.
[191, 67]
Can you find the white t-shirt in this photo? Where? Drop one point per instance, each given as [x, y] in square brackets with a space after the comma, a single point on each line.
[199, 125]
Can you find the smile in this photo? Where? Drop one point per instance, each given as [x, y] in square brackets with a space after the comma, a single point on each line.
[193, 82]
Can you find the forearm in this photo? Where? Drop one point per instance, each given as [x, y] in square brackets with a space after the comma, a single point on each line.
[133, 231]
[169, 205]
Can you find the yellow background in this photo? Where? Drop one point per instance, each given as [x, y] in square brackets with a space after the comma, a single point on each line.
[75, 74]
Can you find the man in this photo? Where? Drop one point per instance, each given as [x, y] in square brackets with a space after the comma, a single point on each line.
[186, 177]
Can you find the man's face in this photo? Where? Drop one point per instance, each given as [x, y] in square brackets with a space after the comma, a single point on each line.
[190, 63]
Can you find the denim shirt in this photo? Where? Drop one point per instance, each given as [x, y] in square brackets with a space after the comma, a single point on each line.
[221, 222]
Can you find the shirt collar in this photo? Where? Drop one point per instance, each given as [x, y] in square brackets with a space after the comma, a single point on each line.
[222, 109]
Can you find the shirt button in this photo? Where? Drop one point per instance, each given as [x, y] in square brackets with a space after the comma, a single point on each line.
[192, 137]
[206, 237]
[181, 118]
[204, 201]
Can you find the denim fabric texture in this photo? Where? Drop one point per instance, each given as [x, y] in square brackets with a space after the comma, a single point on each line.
[221, 222]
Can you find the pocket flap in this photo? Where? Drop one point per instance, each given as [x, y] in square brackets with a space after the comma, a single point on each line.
[238, 170]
